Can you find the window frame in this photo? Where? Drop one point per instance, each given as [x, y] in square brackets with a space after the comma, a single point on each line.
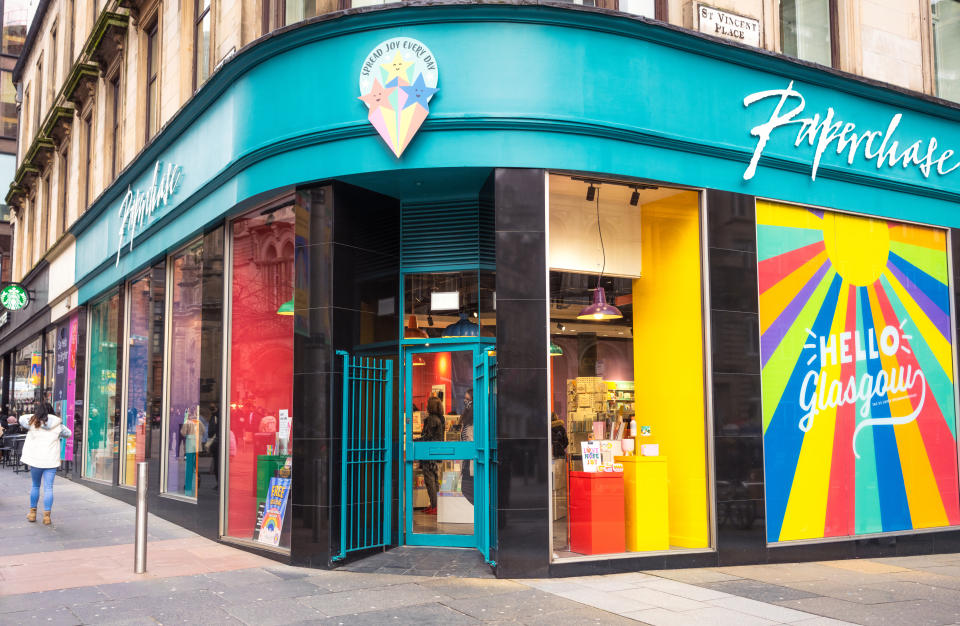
[833, 11]
[63, 181]
[87, 143]
[115, 107]
[199, 16]
[152, 117]
[88, 381]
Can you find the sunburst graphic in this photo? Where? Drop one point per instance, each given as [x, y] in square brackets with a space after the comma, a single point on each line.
[879, 291]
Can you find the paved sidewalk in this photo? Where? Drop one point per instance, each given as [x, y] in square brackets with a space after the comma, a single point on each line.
[79, 571]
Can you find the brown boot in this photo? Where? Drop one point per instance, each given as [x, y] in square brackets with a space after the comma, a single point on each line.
[32, 515]
[46, 518]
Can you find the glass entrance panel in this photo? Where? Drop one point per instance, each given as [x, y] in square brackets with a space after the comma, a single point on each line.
[440, 447]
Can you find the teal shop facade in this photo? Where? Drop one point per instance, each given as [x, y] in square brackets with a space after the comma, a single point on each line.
[524, 90]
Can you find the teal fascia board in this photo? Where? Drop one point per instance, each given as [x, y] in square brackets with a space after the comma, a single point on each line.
[521, 85]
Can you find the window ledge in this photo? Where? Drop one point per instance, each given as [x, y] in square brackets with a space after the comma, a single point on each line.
[107, 39]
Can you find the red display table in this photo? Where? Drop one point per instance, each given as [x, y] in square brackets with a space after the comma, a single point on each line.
[597, 513]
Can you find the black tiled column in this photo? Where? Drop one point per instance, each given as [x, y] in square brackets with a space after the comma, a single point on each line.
[737, 418]
[522, 411]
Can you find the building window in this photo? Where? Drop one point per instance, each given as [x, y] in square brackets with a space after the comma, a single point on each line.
[52, 83]
[8, 106]
[31, 216]
[25, 110]
[945, 16]
[153, 85]
[187, 421]
[103, 409]
[43, 217]
[15, 16]
[201, 43]
[261, 369]
[808, 30]
[613, 369]
[87, 159]
[115, 126]
[144, 378]
[38, 95]
[63, 181]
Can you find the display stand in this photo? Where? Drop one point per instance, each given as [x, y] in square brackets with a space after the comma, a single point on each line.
[646, 502]
[596, 512]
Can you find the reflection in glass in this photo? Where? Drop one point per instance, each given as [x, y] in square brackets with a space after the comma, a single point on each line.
[26, 377]
[805, 30]
[16, 17]
[144, 371]
[187, 428]
[102, 389]
[442, 410]
[435, 302]
[261, 376]
[945, 16]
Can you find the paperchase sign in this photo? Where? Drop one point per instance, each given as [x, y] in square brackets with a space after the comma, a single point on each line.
[728, 25]
[139, 205]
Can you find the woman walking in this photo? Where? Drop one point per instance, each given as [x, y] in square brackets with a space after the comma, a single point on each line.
[41, 451]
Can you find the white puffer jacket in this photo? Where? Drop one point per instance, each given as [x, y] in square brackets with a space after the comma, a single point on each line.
[42, 446]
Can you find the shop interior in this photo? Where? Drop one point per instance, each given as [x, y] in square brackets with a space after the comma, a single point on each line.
[627, 423]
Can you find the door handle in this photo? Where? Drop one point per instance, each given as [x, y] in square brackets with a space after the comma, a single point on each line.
[440, 451]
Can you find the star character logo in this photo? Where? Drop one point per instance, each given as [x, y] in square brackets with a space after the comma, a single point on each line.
[398, 79]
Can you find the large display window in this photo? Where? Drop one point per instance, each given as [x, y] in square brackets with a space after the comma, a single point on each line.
[856, 349]
[144, 372]
[262, 319]
[188, 426]
[100, 442]
[627, 394]
[27, 372]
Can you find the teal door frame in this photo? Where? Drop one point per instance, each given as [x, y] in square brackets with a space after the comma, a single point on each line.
[476, 451]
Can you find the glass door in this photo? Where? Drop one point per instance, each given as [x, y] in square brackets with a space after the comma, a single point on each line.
[441, 452]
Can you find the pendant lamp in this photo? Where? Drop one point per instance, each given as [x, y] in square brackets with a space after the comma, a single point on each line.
[413, 330]
[555, 350]
[462, 328]
[599, 310]
[286, 308]
[419, 361]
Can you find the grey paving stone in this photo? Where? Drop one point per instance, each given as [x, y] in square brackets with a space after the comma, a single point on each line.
[244, 576]
[471, 587]
[426, 614]
[262, 592]
[52, 599]
[863, 594]
[583, 616]
[758, 590]
[518, 605]
[53, 616]
[373, 599]
[274, 612]
[335, 581]
[909, 612]
[290, 572]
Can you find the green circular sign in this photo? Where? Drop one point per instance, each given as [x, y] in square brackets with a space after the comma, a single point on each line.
[14, 297]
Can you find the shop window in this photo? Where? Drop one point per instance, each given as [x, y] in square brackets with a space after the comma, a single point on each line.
[261, 376]
[859, 413]
[27, 373]
[49, 364]
[449, 304]
[144, 379]
[627, 411]
[102, 404]
[945, 17]
[16, 17]
[188, 423]
[808, 30]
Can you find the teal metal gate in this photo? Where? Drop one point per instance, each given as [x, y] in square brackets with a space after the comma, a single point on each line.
[366, 461]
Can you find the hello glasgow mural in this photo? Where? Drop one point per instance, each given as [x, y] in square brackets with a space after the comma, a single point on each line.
[859, 421]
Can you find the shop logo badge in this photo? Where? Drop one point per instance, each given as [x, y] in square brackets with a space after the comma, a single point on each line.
[397, 81]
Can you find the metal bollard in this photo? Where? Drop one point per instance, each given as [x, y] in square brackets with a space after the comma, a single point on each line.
[140, 547]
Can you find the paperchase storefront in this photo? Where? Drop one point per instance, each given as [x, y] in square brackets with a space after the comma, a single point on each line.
[670, 303]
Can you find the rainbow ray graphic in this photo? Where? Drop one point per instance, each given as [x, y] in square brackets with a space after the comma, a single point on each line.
[859, 424]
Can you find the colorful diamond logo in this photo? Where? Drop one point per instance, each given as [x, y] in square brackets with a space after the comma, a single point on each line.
[397, 81]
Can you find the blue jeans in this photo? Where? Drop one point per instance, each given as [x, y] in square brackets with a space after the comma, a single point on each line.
[47, 474]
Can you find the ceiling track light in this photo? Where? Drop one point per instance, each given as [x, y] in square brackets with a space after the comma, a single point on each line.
[591, 193]
[635, 197]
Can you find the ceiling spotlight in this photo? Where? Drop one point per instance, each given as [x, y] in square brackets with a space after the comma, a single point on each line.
[635, 197]
[429, 320]
[591, 193]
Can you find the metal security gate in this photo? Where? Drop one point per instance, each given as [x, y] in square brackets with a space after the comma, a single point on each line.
[366, 462]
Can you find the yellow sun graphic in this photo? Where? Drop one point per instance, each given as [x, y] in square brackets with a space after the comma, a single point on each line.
[858, 247]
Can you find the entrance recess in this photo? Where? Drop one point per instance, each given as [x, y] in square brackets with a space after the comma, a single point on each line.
[450, 453]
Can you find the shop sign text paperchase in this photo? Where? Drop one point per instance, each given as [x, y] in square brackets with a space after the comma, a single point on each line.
[826, 132]
[138, 205]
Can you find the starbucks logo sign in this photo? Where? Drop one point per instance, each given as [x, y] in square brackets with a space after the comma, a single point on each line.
[14, 297]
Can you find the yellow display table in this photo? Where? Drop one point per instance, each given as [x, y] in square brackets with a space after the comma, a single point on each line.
[645, 499]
